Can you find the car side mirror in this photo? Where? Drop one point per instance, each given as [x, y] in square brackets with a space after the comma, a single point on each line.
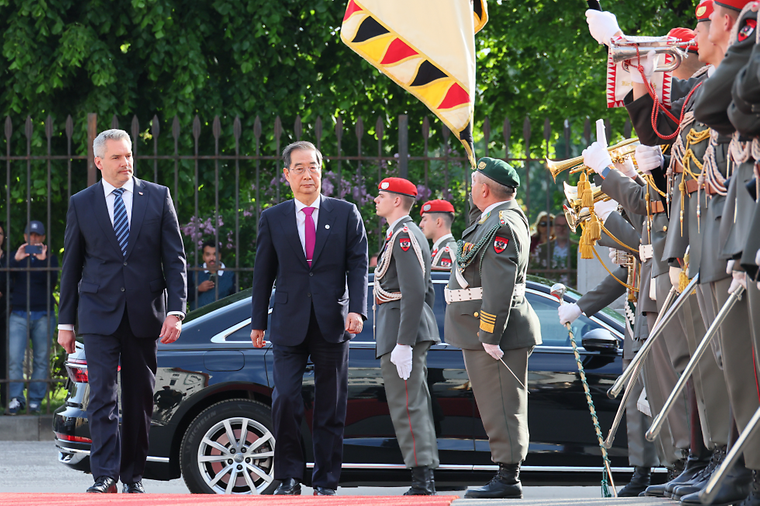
[600, 340]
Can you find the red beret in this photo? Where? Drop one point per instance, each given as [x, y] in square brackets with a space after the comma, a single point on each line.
[437, 206]
[736, 5]
[704, 9]
[685, 35]
[398, 185]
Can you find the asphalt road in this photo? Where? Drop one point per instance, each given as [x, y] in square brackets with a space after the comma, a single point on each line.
[32, 466]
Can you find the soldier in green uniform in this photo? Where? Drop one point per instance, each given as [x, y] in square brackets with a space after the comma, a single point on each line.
[405, 330]
[437, 217]
[491, 320]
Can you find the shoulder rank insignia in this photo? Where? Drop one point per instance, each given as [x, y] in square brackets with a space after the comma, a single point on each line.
[500, 244]
[502, 217]
[405, 243]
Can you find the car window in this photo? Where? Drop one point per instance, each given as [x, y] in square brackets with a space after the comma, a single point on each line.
[552, 332]
[240, 335]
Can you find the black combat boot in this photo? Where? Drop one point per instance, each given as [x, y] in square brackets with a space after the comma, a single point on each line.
[423, 482]
[735, 487]
[753, 499]
[505, 485]
[701, 478]
[639, 482]
[694, 464]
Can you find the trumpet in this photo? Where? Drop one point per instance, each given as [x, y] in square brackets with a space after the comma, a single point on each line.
[618, 153]
[626, 49]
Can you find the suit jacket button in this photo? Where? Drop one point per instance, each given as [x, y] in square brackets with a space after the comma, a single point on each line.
[122, 289]
[308, 294]
[310, 274]
[125, 264]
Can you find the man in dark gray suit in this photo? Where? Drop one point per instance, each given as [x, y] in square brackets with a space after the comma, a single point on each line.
[123, 268]
[406, 328]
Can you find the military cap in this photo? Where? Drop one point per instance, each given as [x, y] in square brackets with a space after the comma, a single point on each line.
[499, 170]
[704, 9]
[685, 35]
[398, 185]
[437, 206]
[736, 5]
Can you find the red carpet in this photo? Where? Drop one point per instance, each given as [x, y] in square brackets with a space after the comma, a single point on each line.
[214, 500]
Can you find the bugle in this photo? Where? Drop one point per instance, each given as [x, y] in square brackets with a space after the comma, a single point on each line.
[659, 420]
[626, 49]
[618, 152]
[633, 377]
[654, 333]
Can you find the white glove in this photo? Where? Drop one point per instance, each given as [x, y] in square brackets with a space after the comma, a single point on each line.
[401, 357]
[648, 158]
[596, 157]
[730, 266]
[757, 257]
[602, 25]
[626, 168]
[647, 61]
[739, 278]
[494, 350]
[675, 276]
[604, 208]
[568, 313]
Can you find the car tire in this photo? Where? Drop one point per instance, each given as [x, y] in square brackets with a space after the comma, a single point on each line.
[218, 456]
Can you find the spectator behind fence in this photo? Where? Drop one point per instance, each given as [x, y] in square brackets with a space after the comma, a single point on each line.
[32, 317]
[3, 320]
[212, 276]
[541, 231]
[558, 253]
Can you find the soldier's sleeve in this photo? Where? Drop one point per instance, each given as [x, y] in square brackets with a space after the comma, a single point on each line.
[630, 194]
[677, 238]
[412, 286]
[605, 293]
[622, 230]
[498, 277]
[745, 94]
[711, 107]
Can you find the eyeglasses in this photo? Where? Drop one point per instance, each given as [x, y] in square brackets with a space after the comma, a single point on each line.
[301, 170]
[544, 224]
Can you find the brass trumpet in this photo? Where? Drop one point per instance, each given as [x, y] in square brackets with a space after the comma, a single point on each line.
[618, 153]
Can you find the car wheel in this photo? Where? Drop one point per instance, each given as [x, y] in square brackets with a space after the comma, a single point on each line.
[229, 449]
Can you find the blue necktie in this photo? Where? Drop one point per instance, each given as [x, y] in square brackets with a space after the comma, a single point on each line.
[120, 220]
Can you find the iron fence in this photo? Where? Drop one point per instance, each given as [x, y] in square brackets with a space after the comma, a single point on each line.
[222, 173]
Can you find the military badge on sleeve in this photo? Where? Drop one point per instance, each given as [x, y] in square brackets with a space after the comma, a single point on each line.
[446, 262]
[405, 243]
[746, 30]
[500, 244]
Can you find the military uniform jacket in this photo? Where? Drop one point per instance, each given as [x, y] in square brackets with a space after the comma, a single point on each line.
[409, 320]
[443, 253]
[500, 264]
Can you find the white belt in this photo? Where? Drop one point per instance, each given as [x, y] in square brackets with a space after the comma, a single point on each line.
[465, 294]
[646, 251]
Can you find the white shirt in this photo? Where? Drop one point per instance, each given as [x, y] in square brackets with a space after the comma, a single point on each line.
[301, 219]
[127, 197]
[220, 272]
[491, 208]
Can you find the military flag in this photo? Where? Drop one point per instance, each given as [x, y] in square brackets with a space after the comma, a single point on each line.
[428, 48]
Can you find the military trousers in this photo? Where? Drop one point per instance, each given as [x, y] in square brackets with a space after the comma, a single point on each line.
[502, 401]
[411, 410]
[709, 382]
[641, 453]
[738, 365]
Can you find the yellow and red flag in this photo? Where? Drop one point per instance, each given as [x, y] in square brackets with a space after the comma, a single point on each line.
[427, 47]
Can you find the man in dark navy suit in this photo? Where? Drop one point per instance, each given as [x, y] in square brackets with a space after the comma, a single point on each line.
[123, 268]
[315, 247]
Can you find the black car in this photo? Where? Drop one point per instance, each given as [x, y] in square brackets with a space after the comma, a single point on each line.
[212, 422]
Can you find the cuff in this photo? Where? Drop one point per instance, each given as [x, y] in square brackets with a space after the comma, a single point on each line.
[178, 314]
[605, 171]
[66, 326]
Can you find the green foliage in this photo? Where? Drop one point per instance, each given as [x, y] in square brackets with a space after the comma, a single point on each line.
[250, 58]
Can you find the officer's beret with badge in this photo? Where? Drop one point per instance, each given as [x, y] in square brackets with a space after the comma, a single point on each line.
[437, 206]
[499, 170]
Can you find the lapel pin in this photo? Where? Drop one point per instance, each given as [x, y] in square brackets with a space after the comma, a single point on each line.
[139, 193]
[327, 227]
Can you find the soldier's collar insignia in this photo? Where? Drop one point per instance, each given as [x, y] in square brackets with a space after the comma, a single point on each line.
[503, 217]
[484, 218]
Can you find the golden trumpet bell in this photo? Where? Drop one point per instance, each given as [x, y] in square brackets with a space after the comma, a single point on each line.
[618, 152]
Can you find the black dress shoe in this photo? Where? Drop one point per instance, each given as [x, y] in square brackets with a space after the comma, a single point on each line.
[288, 486]
[505, 485]
[103, 485]
[638, 484]
[133, 488]
[324, 491]
[735, 488]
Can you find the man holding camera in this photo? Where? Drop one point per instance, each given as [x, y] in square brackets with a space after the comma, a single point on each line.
[32, 317]
[213, 281]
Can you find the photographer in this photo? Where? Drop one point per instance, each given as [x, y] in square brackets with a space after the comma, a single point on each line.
[31, 300]
[213, 282]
